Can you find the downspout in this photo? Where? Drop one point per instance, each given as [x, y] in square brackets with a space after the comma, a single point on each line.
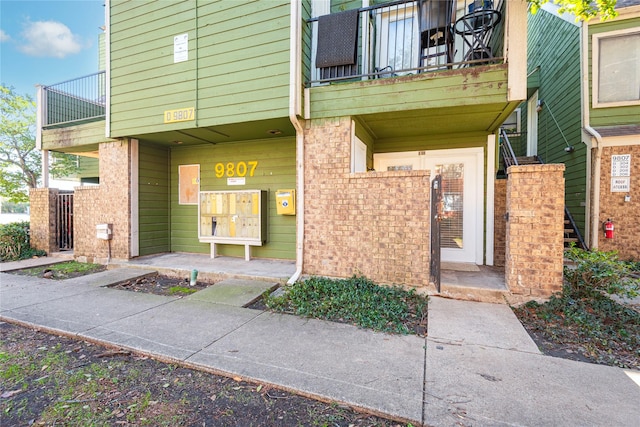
[107, 63]
[295, 67]
[593, 179]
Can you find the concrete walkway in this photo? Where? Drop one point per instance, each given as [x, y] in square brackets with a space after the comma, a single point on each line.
[477, 367]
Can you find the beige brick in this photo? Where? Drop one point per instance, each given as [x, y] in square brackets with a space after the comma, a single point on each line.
[534, 231]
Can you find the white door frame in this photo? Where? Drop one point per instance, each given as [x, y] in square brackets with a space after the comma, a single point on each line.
[473, 190]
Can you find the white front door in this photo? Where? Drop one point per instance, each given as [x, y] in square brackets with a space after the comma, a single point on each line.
[463, 189]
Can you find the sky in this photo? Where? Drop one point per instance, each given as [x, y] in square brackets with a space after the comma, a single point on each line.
[48, 41]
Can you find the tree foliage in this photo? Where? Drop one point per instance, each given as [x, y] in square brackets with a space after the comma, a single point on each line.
[582, 9]
[20, 161]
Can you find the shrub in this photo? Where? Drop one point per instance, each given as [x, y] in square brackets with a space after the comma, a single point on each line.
[15, 243]
[597, 272]
[356, 300]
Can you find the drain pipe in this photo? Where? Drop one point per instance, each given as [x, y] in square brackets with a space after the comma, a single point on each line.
[295, 65]
[594, 173]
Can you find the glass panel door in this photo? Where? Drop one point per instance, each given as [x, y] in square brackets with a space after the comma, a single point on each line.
[451, 224]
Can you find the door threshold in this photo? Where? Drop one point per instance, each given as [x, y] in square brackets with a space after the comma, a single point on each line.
[459, 266]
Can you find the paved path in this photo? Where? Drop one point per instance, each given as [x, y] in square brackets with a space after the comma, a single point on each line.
[478, 367]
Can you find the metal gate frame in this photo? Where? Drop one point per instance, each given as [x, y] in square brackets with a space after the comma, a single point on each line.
[64, 221]
[436, 218]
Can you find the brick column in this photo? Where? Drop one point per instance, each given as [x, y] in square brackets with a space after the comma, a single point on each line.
[374, 224]
[624, 214]
[535, 230]
[108, 203]
[42, 206]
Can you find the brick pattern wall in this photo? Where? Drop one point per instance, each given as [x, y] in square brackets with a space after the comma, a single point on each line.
[534, 230]
[42, 205]
[625, 215]
[499, 222]
[108, 203]
[375, 224]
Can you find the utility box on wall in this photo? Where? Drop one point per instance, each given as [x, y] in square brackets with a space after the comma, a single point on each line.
[233, 217]
[104, 231]
[286, 202]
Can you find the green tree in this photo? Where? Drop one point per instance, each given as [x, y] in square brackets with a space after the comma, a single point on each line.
[582, 9]
[20, 161]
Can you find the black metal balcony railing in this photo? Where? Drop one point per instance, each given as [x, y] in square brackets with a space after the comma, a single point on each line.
[408, 37]
[74, 101]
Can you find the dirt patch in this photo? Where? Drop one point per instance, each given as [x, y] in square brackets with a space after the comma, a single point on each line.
[61, 271]
[53, 380]
[159, 284]
[597, 331]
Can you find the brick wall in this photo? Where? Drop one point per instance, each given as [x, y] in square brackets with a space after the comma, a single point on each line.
[42, 206]
[375, 224]
[625, 215]
[108, 203]
[499, 223]
[534, 230]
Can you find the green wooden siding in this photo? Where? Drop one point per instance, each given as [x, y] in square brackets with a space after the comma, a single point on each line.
[75, 138]
[342, 5]
[102, 54]
[88, 167]
[237, 69]
[458, 88]
[276, 170]
[153, 199]
[554, 47]
[611, 116]
[431, 142]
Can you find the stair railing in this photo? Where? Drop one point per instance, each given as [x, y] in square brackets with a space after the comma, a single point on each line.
[506, 151]
[509, 159]
[581, 241]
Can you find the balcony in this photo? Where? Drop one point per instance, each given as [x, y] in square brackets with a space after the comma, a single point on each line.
[73, 102]
[405, 37]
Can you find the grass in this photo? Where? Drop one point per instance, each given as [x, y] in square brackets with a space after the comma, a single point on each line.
[64, 270]
[356, 300]
[181, 290]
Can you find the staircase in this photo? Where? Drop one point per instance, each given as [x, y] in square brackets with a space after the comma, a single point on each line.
[528, 160]
[571, 231]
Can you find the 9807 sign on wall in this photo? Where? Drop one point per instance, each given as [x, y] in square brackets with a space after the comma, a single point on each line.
[180, 115]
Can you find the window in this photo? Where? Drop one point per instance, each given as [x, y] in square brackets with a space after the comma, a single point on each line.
[512, 124]
[397, 39]
[616, 68]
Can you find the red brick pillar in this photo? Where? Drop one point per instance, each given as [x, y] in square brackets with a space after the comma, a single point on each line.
[42, 207]
[535, 230]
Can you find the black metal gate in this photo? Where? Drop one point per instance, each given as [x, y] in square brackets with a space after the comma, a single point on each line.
[64, 222]
[436, 208]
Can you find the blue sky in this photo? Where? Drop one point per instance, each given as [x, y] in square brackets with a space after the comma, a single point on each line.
[48, 41]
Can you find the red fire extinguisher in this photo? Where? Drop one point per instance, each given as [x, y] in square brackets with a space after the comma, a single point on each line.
[608, 229]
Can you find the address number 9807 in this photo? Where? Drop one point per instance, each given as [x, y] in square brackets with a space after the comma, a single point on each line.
[232, 169]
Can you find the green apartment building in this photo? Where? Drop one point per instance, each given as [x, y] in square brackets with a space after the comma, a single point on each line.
[297, 129]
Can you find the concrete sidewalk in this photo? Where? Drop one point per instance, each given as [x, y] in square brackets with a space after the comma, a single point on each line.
[477, 367]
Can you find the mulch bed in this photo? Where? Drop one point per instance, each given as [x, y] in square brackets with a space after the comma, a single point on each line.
[159, 284]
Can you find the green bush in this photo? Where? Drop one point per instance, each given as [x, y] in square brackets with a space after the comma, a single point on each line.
[356, 300]
[597, 272]
[15, 243]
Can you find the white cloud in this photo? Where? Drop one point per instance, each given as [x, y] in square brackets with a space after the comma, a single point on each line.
[4, 36]
[49, 38]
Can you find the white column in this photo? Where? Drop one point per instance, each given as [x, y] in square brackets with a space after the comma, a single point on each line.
[45, 168]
